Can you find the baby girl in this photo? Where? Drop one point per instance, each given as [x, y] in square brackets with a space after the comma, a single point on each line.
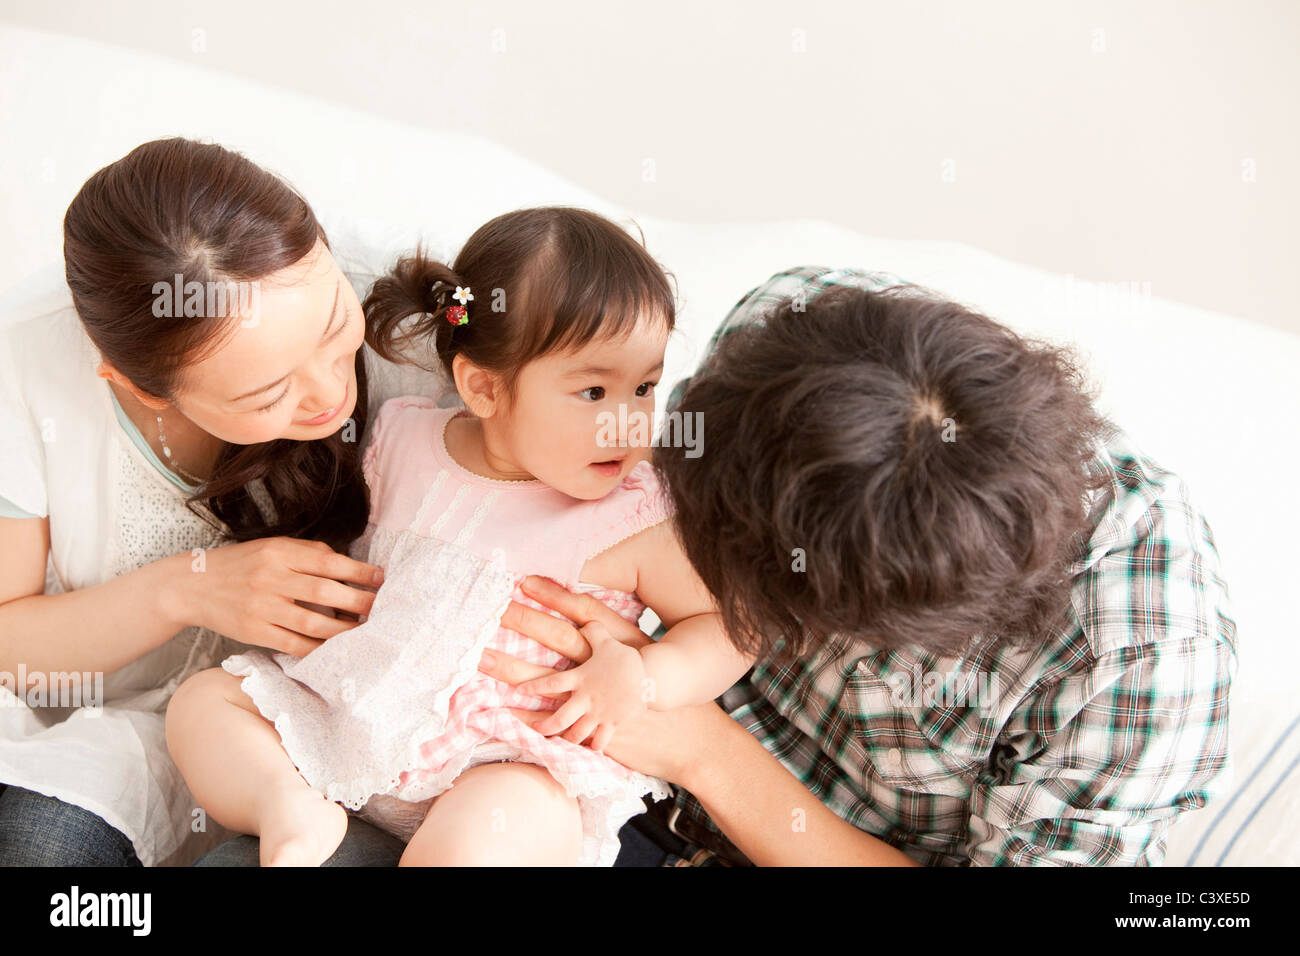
[552, 322]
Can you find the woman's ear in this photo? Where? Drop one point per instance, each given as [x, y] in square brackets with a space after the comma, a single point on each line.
[478, 388]
[106, 370]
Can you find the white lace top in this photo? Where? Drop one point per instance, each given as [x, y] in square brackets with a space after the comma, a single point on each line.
[63, 453]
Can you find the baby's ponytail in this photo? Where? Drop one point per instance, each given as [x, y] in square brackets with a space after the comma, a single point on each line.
[407, 307]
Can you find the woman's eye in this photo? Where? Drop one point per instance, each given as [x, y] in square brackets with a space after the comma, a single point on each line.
[347, 317]
[267, 408]
[594, 388]
[648, 386]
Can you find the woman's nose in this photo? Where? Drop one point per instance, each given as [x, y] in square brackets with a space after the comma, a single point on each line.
[325, 391]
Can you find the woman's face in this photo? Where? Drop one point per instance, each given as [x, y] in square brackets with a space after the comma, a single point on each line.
[289, 370]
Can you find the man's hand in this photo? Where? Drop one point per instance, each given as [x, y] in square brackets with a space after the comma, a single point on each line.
[562, 636]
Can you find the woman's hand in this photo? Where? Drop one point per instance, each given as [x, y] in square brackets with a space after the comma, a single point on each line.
[249, 592]
[664, 744]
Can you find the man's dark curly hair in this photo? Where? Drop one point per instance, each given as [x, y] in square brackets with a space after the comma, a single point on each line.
[886, 467]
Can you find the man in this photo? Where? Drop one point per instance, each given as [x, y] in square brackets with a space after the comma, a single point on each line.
[992, 631]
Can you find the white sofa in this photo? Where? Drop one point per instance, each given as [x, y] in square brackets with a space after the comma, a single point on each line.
[1208, 395]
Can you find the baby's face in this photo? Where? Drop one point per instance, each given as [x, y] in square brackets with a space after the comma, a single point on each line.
[575, 410]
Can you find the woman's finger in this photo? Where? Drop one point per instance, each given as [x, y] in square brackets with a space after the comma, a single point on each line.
[281, 639]
[329, 563]
[306, 622]
[327, 592]
[547, 630]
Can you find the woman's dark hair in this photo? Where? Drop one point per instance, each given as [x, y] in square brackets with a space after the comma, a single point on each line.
[176, 206]
[551, 278]
[885, 468]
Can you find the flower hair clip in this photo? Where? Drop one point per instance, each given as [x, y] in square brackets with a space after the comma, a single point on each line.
[456, 314]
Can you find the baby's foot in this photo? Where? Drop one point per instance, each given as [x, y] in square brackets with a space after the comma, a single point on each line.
[299, 827]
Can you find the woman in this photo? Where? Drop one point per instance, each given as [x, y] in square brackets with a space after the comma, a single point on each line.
[181, 468]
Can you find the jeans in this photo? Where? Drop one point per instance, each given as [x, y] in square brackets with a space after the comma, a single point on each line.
[36, 830]
[367, 845]
[363, 845]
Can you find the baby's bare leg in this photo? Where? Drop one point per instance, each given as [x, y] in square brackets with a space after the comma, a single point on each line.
[499, 814]
[234, 764]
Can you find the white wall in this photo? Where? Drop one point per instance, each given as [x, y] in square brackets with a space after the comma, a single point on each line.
[1150, 142]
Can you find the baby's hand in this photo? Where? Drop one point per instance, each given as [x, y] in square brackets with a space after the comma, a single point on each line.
[604, 692]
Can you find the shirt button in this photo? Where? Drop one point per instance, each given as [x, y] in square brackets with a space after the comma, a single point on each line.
[894, 759]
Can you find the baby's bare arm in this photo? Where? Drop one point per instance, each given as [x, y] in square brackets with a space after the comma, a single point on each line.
[694, 662]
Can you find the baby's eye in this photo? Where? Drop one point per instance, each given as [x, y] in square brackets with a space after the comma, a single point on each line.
[594, 388]
[648, 386]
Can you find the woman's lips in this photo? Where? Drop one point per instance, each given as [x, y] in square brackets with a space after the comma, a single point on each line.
[329, 413]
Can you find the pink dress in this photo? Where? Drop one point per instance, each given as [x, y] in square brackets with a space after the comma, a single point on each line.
[384, 717]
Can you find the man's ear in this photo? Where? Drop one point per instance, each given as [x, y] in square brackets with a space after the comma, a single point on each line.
[479, 389]
[108, 371]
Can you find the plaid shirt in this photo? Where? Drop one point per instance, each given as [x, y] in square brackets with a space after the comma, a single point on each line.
[1082, 751]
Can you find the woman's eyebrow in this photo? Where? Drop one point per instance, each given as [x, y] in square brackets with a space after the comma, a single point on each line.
[333, 309]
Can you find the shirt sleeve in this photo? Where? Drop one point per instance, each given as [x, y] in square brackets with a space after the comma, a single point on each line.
[22, 467]
[384, 441]
[640, 502]
[10, 510]
[372, 459]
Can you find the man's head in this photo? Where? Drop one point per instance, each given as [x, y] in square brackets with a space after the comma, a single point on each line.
[888, 467]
